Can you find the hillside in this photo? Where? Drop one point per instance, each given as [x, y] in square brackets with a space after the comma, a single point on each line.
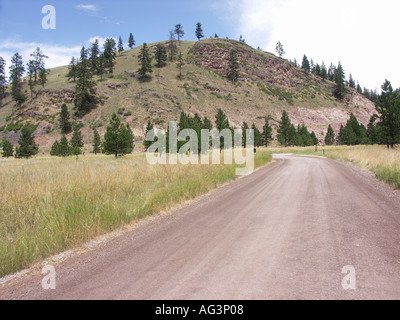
[268, 85]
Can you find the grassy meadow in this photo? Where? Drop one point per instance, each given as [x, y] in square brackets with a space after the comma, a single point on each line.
[50, 205]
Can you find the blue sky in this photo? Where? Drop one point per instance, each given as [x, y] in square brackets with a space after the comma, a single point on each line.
[350, 31]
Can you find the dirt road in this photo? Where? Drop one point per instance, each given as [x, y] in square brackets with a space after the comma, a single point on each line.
[285, 232]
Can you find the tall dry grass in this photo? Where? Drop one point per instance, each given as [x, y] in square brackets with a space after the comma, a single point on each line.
[385, 163]
[50, 205]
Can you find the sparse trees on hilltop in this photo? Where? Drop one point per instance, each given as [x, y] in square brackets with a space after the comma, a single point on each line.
[161, 56]
[3, 80]
[144, 59]
[120, 45]
[279, 49]
[72, 69]
[131, 41]
[179, 32]
[16, 72]
[85, 88]
[199, 31]
[305, 65]
[340, 88]
[110, 54]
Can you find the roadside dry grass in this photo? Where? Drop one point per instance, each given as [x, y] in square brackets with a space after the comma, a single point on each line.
[50, 205]
[378, 159]
[383, 162]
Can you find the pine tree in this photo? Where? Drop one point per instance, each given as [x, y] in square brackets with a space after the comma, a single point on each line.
[101, 66]
[3, 80]
[372, 130]
[258, 141]
[284, 130]
[55, 149]
[31, 74]
[179, 64]
[388, 108]
[314, 138]
[359, 89]
[76, 151]
[233, 71]
[279, 49]
[331, 72]
[221, 123]
[144, 59]
[39, 64]
[85, 88]
[171, 46]
[8, 148]
[245, 127]
[27, 146]
[330, 137]
[72, 69]
[179, 32]
[305, 65]
[207, 124]
[199, 31]
[340, 87]
[131, 41]
[94, 56]
[324, 72]
[118, 138]
[96, 142]
[267, 133]
[317, 70]
[16, 72]
[77, 140]
[149, 127]
[110, 54]
[43, 77]
[64, 147]
[65, 123]
[120, 45]
[161, 56]
[352, 83]
[293, 138]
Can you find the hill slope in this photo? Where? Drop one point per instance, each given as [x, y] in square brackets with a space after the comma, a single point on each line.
[268, 85]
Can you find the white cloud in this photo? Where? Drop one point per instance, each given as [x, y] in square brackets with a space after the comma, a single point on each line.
[86, 7]
[360, 34]
[58, 55]
[101, 40]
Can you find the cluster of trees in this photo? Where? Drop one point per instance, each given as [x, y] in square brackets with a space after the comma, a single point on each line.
[36, 71]
[383, 127]
[118, 140]
[221, 123]
[65, 148]
[334, 74]
[289, 136]
[27, 145]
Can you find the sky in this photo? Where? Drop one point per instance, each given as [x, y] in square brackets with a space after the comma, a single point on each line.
[361, 34]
